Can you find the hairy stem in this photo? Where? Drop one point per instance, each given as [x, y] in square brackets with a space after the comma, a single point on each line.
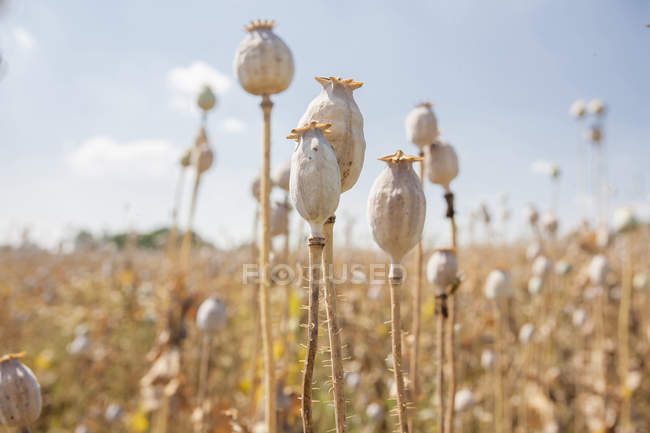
[316, 245]
[440, 359]
[395, 278]
[203, 367]
[333, 327]
[265, 303]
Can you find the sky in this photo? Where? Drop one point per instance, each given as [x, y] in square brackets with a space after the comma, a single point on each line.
[97, 104]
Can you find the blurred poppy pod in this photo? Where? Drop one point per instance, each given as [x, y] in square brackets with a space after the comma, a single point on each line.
[186, 159]
[20, 393]
[442, 268]
[578, 109]
[421, 125]
[315, 181]
[598, 270]
[397, 206]
[440, 163]
[263, 62]
[207, 99]
[211, 316]
[542, 266]
[282, 175]
[625, 220]
[203, 157]
[531, 214]
[279, 218]
[498, 285]
[550, 223]
[336, 105]
[596, 106]
[255, 188]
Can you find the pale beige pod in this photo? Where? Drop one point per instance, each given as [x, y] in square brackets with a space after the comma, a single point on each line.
[186, 159]
[440, 163]
[207, 99]
[531, 214]
[598, 270]
[498, 285]
[315, 180]
[421, 125]
[20, 393]
[442, 268]
[203, 158]
[281, 176]
[279, 218]
[255, 188]
[550, 223]
[335, 104]
[397, 206]
[263, 62]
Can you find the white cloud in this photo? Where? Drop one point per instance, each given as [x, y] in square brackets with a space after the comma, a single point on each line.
[232, 125]
[187, 82]
[24, 39]
[104, 156]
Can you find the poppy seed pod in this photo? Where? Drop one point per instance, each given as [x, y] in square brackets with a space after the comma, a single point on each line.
[279, 218]
[498, 285]
[335, 104]
[596, 106]
[203, 157]
[315, 180]
[281, 176]
[397, 206]
[263, 62]
[20, 393]
[207, 99]
[255, 188]
[625, 220]
[533, 251]
[598, 270]
[550, 223]
[421, 125]
[463, 400]
[526, 333]
[595, 134]
[442, 268]
[487, 359]
[542, 266]
[440, 163]
[186, 159]
[535, 285]
[531, 214]
[211, 315]
[578, 109]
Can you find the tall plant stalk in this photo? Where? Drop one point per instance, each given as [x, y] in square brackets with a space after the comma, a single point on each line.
[440, 360]
[173, 232]
[186, 246]
[624, 335]
[416, 312]
[333, 327]
[395, 279]
[451, 388]
[265, 247]
[316, 245]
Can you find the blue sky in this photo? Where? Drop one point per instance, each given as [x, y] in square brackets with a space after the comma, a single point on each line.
[96, 102]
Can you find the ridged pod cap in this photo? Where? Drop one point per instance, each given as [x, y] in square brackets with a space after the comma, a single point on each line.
[315, 180]
[212, 315]
[397, 206]
[440, 163]
[281, 176]
[498, 285]
[598, 270]
[335, 104]
[442, 268]
[20, 393]
[421, 125]
[263, 62]
[207, 99]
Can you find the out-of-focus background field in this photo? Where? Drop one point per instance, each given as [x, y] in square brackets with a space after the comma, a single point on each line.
[98, 106]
